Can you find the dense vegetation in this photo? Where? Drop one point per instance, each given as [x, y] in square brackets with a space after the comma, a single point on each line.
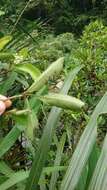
[53, 59]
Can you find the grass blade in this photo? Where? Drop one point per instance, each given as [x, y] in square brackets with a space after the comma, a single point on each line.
[14, 179]
[9, 140]
[45, 142]
[82, 181]
[57, 161]
[84, 148]
[5, 169]
[13, 135]
[92, 163]
[99, 179]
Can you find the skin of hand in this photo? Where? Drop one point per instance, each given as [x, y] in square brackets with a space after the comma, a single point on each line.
[4, 104]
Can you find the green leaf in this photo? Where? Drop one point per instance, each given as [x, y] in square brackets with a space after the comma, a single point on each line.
[63, 101]
[54, 69]
[99, 179]
[45, 142]
[48, 170]
[28, 68]
[13, 134]
[5, 169]
[82, 181]
[84, 148]
[14, 179]
[92, 163]
[10, 139]
[42, 182]
[4, 40]
[2, 13]
[8, 83]
[6, 56]
[2, 179]
[57, 162]
[32, 122]
[24, 52]
[34, 102]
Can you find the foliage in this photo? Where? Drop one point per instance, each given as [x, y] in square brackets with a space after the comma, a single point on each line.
[92, 52]
[67, 16]
[64, 16]
[37, 149]
[53, 47]
[25, 119]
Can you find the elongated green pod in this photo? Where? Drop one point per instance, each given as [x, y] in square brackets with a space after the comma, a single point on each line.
[54, 69]
[63, 101]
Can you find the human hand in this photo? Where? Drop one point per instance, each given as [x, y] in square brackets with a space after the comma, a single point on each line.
[4, 104]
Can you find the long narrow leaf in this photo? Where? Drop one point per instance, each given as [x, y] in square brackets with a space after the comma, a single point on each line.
[45, 142]
[84, 148]
[99, 179]
[9, 140]
[92, 163]
[14, 179]
[82, 181]
[57, 162]
[5, 169]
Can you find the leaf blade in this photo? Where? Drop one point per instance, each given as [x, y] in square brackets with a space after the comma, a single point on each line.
[82, 152]
[46, 139]
[30, 69]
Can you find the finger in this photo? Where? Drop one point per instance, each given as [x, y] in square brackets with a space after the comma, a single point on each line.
[2, 97]
[8, 103]
[2, 107]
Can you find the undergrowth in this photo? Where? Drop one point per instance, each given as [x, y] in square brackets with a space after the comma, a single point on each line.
[32, 136]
